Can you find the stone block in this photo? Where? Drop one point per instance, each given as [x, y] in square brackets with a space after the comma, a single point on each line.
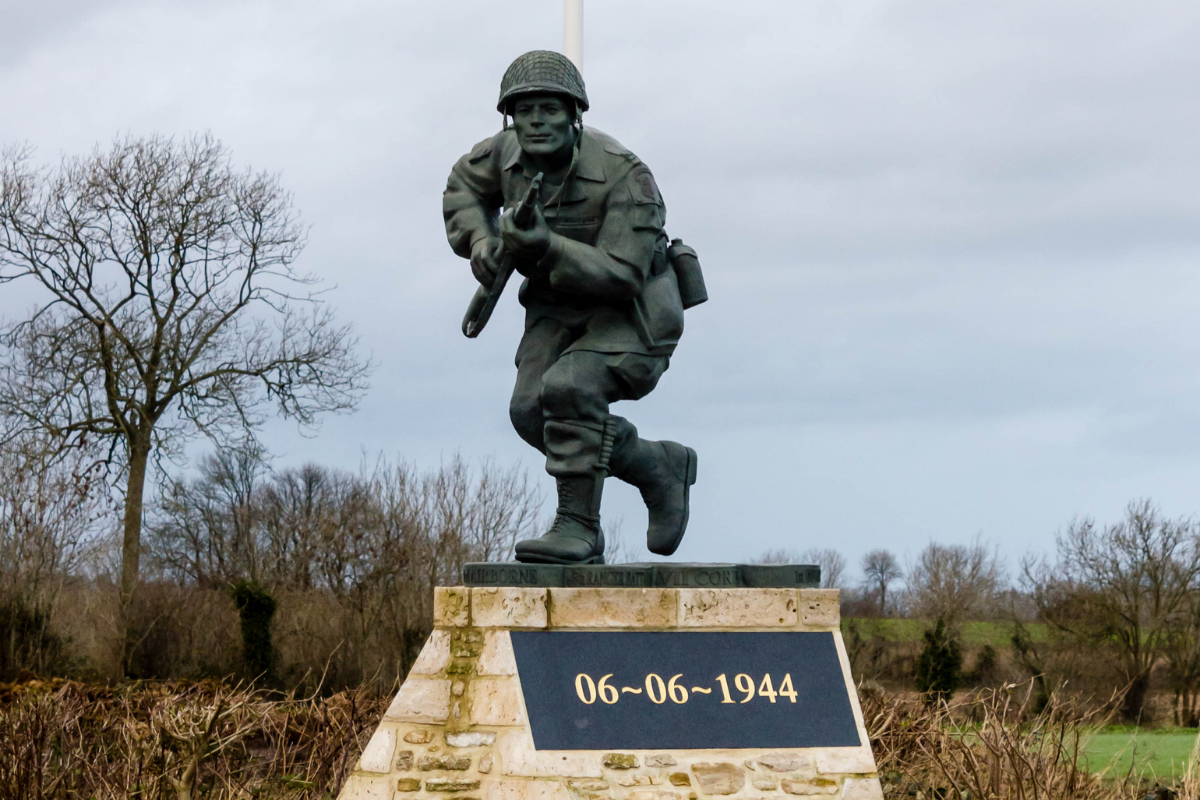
[404, 760]
[613, 608]
[419, 737]
[527, 790]
[421, 700]
[718, 777]
[363, 787]
[377, 755]
[680, 779]
[434, 655]
[652, 794]
[862, 789]
[444, 761]
[408, 785]
[442, 784]
[640, 780]
[845, 759]
[485, 763]
[661, 760]
[519, 759]
[496, 701]
[820, 608]
[810, 786]
[589, 786]
[737, 608]
[508, 607]
[497, 656]
[787, 761]
[471, 739]
[620, 761]
[764, 783]
[451, 606]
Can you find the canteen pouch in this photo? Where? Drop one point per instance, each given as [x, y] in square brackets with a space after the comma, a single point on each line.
[692, 291]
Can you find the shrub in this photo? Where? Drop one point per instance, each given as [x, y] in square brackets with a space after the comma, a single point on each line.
[939, 669]
[256, 608]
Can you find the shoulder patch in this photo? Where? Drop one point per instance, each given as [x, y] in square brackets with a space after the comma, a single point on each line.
[480, 151]
[615, 148]
[642, 186]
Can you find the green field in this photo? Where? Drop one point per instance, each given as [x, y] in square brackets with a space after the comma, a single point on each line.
[1159, 753]
[997, 634]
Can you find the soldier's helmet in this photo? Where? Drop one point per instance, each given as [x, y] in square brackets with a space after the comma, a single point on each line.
[542, 72]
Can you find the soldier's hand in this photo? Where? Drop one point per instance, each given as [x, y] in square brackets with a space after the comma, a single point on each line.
[530, 243]
[483, 261]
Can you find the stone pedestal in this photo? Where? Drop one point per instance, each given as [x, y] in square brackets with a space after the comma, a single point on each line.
[459, 727]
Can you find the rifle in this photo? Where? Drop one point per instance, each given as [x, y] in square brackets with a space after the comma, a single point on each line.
[484, 302]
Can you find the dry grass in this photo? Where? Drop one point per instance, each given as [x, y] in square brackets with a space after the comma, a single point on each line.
[177, 742]
[989, 745]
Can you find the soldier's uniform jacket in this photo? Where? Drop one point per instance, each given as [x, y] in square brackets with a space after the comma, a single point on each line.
[609, 278]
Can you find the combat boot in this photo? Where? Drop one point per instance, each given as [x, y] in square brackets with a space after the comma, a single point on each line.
[664, 473]
[574, 536]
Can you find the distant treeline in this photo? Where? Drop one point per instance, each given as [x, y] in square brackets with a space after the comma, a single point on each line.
[292, 577]
[313, 576]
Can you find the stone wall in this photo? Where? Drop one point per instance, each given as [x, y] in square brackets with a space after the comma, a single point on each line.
[457, 729]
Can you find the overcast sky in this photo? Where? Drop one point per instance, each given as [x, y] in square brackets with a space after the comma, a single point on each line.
[951, 248]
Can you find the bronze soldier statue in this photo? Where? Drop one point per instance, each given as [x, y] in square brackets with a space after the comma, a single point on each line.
[602, 294]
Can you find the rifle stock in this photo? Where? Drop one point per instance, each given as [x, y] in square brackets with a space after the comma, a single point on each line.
[483, 303]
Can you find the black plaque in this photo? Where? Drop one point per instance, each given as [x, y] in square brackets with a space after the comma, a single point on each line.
[691, 576]
[617, 576]
[512, 573]
[683, 690]
[643, 576]
[802, 576]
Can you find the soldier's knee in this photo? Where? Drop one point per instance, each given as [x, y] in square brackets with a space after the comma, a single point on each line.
[528, 420]
[562, 397]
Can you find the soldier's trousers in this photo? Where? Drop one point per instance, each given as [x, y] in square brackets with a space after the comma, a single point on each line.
[560, 401]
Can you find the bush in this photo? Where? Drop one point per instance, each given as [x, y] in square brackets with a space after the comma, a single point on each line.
[939, 669]
[987, 746]
[26, 642]
[154, 740]
[256, 608]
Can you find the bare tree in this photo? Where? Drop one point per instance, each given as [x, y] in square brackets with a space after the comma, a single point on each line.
[880, 570]
[207, 530]
[170, 308]
[778, 555]
[1120, 589]
[831, 562]
[55, 513]
[955, 582]
[617, 549]
[366, 547]
[1181, 650]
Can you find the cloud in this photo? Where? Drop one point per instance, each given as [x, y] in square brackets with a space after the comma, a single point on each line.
[950, 247]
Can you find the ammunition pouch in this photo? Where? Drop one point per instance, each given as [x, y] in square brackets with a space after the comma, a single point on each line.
[692, 291]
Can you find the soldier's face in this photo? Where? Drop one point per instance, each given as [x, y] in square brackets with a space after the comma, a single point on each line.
[543, 125]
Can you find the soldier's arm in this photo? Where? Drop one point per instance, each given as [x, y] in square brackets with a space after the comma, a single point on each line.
[472, 198]
[617, 267]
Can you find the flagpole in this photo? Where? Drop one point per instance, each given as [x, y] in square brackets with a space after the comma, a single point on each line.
[573, 31]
